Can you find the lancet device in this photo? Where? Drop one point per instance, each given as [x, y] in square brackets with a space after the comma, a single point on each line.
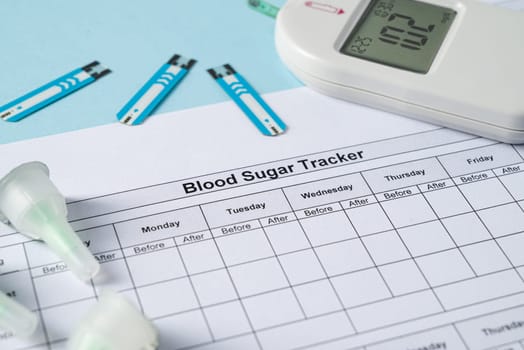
[113, 323]
[456, 63]
[31, 203]
[51, 92]
[16, 318]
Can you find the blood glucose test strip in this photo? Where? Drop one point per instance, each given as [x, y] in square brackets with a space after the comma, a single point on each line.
[249, 101]
[51, 92]
[155, 90]
[263, 7]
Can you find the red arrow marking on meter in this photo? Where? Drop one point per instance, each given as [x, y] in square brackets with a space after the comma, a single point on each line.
[324, 7]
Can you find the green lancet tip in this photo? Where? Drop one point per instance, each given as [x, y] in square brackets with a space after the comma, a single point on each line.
[16, 318]
[264, 7]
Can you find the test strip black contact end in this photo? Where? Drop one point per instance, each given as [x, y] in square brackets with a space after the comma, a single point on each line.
[182, 62]
[221, 71]
[96, 70]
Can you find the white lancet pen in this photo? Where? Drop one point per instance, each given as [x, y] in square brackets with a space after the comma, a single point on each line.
[16, 318]
[114, 324]
[31, 203]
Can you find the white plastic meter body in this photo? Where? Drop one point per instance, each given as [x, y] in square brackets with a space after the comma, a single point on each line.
[456, 63]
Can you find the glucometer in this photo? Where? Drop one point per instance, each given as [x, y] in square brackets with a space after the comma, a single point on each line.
[456, 63]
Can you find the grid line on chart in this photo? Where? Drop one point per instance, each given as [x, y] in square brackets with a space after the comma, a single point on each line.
[383, 341]
[188, 276]
[395, 229]
[301, 284]
[513, 146]
[487, 228]
[238, 298]
[439, 219]
[37, 300]
[324, 271]
[138, 299]
[289, 285]
[522, 209]
[290, 252]
[375, 265]
[460, 336]
[361, 333]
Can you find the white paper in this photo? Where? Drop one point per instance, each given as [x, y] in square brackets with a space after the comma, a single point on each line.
[368, 231]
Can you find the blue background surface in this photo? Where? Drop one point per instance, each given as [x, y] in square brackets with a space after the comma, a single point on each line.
[42, 40]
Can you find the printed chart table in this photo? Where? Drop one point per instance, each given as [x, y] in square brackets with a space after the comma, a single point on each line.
[388, 245]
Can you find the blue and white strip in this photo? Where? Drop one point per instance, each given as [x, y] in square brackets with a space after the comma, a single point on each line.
[51, 92]
[249, 101]
[155, 90]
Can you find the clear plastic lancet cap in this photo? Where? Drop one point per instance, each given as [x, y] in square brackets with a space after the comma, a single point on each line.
[113, 323]
[16, 318]
[31, 203]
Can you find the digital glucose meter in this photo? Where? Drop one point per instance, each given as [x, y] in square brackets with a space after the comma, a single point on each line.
[457, 63]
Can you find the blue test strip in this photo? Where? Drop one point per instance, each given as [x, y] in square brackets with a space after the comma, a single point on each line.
[51, 92]
[155, 90]
[249, 101]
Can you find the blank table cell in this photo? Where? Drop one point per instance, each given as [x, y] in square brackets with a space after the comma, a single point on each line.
[448, 202]
[504, 219]
[408, 211]
[466, 229]
[244, 247]
[485, 257]
[176, 296]
[444, 267]
[359, 288]
[513, 247]
[426, 238]
[193, 256]
[369, 219]
[403, 277]
[213, 287]
[385, 247]
[258, 277]
[166, 265]
[394, 310]
[271, 309]
[288, 237]
[485, 193]
[183, 330]
[301, 267]
[328, 228]
[227, 320]
[344, 257]
[479, 289]
[318, 298]
[514, 183]
[311, 331]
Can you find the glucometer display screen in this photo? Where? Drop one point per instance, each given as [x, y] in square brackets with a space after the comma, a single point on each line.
[401, 33]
